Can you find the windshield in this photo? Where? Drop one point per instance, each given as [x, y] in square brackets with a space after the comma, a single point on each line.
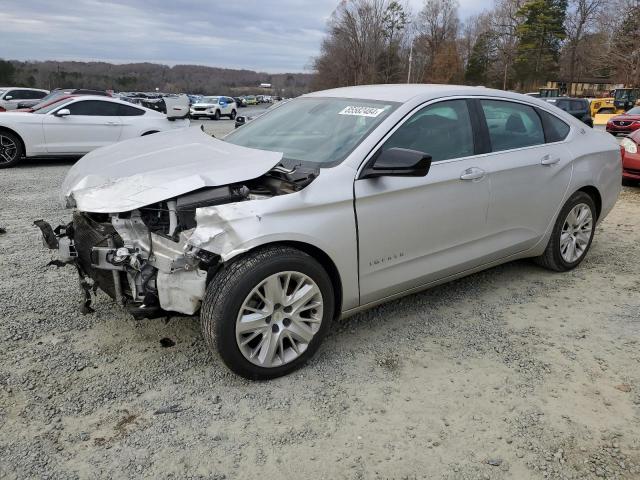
[53, 106]
[317, 132]
[209, 100]
[634, 111]
[45, 100]
[622, 94]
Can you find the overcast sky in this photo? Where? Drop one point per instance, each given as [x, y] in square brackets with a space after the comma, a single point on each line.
[272, 36]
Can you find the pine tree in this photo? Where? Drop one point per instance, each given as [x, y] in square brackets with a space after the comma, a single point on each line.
[479, 60]
[540, 38]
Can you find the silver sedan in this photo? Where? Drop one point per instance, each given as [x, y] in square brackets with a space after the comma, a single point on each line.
[331, 204]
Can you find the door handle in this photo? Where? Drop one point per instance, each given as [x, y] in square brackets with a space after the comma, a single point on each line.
[473, 173]
[548, 160]
[113, 124]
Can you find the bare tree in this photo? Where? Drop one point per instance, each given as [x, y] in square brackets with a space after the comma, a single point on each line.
[436, 43]
[578, 25]
[505, 25]
[363, 44]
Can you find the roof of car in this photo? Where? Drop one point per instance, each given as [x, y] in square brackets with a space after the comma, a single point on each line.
[555, 99]
[405, 92]
[24, 88]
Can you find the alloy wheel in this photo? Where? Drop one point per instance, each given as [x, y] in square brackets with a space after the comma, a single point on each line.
[8, 149]
[576, 233]
[278, 319]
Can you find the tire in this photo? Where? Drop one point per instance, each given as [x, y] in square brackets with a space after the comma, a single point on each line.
[11, 150]
[553, 257]
[243, 280]
[233, 115]
[217, 115]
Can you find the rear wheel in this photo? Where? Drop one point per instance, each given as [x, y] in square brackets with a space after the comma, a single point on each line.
[572, 234]
[267, 312]
[10, 150]
[233, 115]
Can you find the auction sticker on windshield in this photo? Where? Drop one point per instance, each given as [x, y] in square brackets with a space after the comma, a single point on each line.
[361, 111]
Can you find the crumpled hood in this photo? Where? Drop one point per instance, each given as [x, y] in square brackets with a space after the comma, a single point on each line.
[138, 172]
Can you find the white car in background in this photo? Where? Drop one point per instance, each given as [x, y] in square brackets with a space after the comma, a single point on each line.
[214, 108]
[11, 96]
[78, 125]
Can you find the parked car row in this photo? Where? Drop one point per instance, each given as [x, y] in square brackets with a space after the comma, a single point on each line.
[75, 124]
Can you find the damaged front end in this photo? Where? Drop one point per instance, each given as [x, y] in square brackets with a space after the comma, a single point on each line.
[156, 258]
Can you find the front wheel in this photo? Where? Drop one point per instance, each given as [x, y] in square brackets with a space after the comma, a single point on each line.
[217, 115]
[10, 150]
[267, 312]
[572, 234]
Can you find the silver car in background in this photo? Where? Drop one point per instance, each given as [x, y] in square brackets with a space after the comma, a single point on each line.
[11, 96]
[331, 204]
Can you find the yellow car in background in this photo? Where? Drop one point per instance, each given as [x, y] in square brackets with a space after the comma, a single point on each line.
[602, 105]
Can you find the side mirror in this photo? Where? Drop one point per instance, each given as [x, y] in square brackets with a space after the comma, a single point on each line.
[8, 97]
[240, 121]
[63, 112]
[398, 162]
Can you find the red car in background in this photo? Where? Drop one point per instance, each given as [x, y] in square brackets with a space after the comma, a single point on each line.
[631, 157]
[625, 123]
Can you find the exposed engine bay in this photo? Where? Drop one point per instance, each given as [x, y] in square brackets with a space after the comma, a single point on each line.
[146, 259]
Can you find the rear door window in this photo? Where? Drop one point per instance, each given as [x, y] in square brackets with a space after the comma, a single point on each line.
[577, 105]
[512, 125]
[555, 129]
[35, 94]
[128, 111]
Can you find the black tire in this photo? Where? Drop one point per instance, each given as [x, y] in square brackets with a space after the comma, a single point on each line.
[11, 150]
[229, 288]
[552, 256]
[233, 115]
[217, 115]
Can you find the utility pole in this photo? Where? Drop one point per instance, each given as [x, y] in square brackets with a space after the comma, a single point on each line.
[410, 60]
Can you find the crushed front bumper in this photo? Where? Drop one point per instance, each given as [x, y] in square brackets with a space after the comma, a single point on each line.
[148, 273]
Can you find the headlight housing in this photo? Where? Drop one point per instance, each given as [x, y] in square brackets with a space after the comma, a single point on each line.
[629, 145]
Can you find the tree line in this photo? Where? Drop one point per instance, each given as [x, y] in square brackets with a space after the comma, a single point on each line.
[147, 77]
[517, 44]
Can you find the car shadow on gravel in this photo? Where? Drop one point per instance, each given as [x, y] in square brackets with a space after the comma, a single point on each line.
[45, 162]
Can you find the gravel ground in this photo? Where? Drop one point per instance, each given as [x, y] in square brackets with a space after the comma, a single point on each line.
[515, 372]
